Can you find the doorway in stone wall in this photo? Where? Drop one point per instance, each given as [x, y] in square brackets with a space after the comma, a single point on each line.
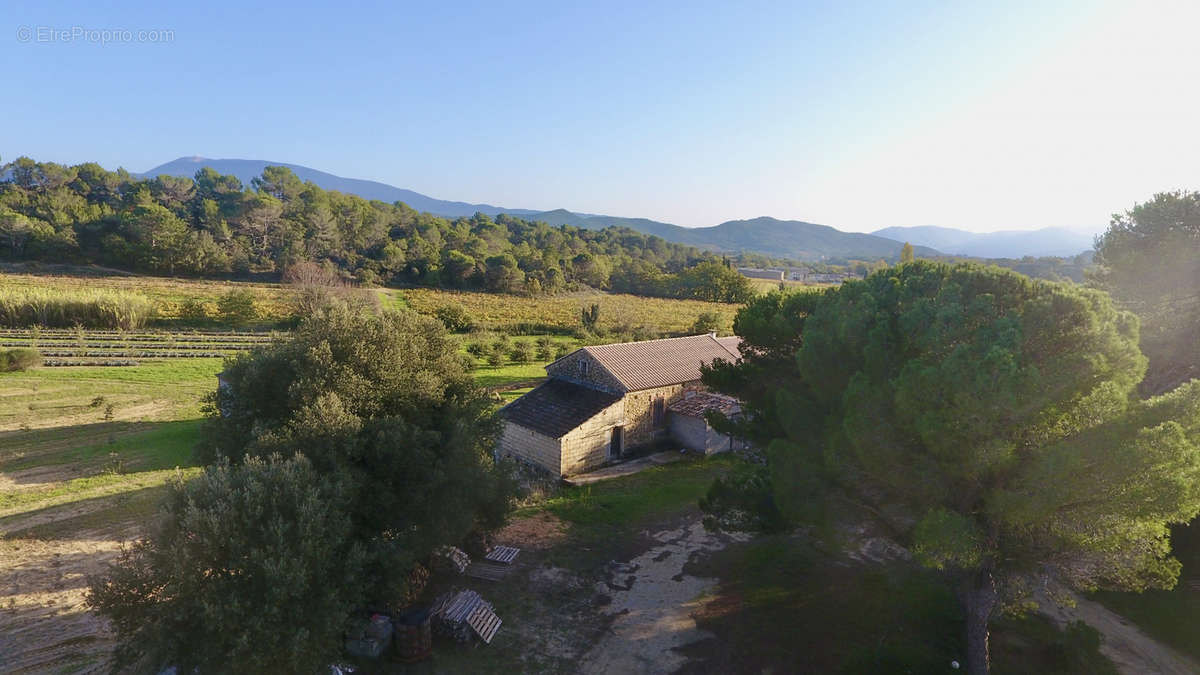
[616, 442]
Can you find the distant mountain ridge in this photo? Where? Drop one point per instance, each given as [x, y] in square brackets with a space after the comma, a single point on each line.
[793, 239]
[1050, 241]
[247, 169]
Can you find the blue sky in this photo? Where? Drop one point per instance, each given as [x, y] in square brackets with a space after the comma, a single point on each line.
[1006, 115]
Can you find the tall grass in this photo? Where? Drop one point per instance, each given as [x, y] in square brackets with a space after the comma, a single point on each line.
[55, 308]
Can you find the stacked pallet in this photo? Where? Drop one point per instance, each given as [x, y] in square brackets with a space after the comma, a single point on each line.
[503, 554]
[495, 565]
[453, 558]
[460, 614]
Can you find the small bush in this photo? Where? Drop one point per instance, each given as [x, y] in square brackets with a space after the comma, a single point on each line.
[545, 353]
[21, 358]
[589, 317]
[522, 352]
[496, 358]
[454, 318]
[707, 322]
[561, 351]
[196, 310]
[238, 306]
[477, 349]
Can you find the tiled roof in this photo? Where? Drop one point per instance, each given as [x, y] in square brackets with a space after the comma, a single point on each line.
[555, 407]
[731, 344]
[658, 363]
[698, 404]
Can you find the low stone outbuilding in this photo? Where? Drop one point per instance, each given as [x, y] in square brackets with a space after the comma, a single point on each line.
[689, 424]
[600, 401]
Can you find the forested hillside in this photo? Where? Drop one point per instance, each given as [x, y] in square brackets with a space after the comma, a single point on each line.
[792, 239]
[214, 225]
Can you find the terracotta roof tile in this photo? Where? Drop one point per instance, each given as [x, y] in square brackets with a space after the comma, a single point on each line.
[658, 363]
[731, 344]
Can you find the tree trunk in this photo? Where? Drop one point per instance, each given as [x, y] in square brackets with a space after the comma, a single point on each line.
[979, 599]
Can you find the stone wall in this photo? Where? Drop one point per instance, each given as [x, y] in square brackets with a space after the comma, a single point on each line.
[641, 427]
[586, 447]
[530, 446]
[570, 368]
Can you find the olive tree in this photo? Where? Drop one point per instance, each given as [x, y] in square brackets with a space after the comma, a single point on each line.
[990, 419]
[385, 401]
[250, 568]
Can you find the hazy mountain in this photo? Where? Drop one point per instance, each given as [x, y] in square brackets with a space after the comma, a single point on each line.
[781, 238]
[246, 169]
[1051, 241]
[793, 239]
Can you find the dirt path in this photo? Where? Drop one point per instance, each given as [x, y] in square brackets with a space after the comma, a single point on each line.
[1132, 651]
[44, 624]
[653, 602]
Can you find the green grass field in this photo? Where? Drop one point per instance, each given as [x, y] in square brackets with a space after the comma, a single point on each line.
[85, 455]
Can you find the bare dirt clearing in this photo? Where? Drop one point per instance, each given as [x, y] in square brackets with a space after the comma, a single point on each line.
[1131, 650]
[653, 601]
[44, 624]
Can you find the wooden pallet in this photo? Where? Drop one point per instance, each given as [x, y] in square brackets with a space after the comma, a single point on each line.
[485, 622]
[456, 557]
[455, 608]
[488, 571]
[503, 554]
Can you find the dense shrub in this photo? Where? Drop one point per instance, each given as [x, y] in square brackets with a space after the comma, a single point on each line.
[589, 317]
[18, 359]
[385, 401]
[250, 565]
[522, 352]
[545, 348]
[454, 318]
[238, 306]
[20, 308]
[197, 311]
[707, 322]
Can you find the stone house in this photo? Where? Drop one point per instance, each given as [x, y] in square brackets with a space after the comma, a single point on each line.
[601, 401]
[759, 273]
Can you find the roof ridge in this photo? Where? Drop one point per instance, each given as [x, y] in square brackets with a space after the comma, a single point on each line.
[642, 342]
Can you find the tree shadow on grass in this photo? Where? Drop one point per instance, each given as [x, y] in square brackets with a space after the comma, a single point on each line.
[783, 606]
[114, 517]
[63, 453]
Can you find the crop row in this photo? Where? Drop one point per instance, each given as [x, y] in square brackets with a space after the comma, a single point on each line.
[89, 362]
[141, 336]
[156, 354]
[43, 345]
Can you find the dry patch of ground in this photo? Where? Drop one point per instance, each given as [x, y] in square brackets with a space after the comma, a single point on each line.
[1132, 651]
[537, 532]
[44, 624]
[653, 603]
